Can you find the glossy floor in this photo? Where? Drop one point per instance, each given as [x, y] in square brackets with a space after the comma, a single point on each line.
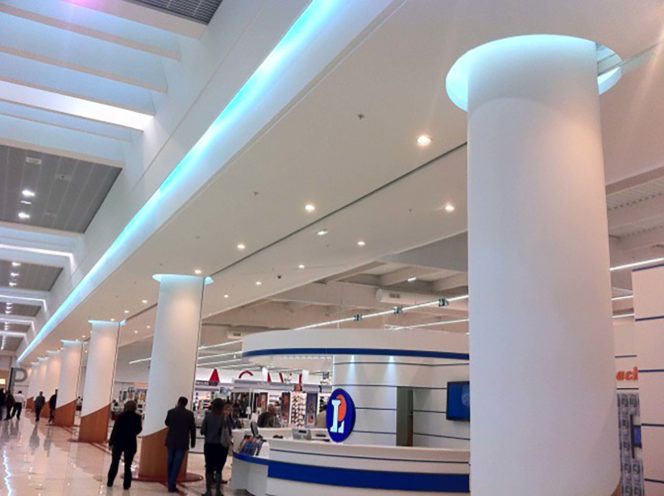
[43, 460]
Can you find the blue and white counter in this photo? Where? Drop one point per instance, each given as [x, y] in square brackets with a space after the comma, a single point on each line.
[308, 468]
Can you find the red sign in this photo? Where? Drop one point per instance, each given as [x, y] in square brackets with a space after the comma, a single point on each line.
[628, 375]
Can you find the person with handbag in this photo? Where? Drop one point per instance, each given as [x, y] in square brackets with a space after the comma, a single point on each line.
[217, 429]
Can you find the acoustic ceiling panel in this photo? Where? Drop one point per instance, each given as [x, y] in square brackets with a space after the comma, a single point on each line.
[28, 276]
[19, 309]
[47, 190]
[198, 10]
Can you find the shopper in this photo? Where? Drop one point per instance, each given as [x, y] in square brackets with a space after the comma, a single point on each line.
[19, 399]
[321, 418]
[40, 401]
[181, 428]
[123, 442]
[268, 418]
[3, 398]
[9, 405]
[217, 429]
[52, 401]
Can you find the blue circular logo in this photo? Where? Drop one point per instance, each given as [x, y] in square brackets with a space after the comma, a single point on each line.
[340, 415]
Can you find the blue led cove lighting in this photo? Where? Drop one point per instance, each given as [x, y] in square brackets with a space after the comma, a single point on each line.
[300, 34]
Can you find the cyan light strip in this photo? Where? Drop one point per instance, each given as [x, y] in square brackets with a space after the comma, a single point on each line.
[301, 33]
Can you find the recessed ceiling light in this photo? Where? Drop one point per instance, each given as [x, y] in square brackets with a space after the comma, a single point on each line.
[83, 336]
[25, 202]
[301, 266]
[424, 140]
[449, 207]
[135, 332]
[226, 296]
[322, 232]
[412, 279]
[28, 193]
[23, 215]
[361, 243]
[145, 302]
[147, 327]
[241, 246]
[16, 264]
[112, 319]
[14, 274]
[126, 312]
[259, 283]
[198, 272]
[12, 284]
[310, 207]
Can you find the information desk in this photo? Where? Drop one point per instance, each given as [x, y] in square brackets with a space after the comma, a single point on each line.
[314, 468]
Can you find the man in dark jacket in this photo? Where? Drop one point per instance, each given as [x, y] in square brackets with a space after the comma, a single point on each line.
[3, 397]
[123, 441]
[40, 401]
[181, 428]
[52, 401]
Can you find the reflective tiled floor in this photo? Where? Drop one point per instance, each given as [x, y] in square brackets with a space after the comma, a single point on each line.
[43, 460]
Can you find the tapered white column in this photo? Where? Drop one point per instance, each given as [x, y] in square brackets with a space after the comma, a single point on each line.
[52, 377]
[40, 379]
[173, 364]
[65, 411]
[543, 402]
[98, 386]
[33, 388]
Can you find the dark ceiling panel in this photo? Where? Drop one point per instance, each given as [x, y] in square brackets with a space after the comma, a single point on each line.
[67, 192]
[28, 276]
[11, 343]
[14, 327]
[198, 10]
[19, 309]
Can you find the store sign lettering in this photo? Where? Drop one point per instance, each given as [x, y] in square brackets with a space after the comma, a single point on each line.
[628, 375]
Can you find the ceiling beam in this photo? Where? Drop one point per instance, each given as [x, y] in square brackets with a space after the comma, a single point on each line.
[402, 275]
[53, 46]
[94, 24]
[144, 15]
[58, 141]
[338, 294]
[353, 272]
[448, 254]
[451, 282]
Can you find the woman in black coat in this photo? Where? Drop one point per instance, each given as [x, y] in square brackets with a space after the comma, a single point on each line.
[127, 426]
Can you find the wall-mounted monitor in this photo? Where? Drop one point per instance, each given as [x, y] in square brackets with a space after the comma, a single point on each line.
[458, 401]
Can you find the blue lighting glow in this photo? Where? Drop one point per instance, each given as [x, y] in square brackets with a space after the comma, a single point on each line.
[456, 81]
[299, 36]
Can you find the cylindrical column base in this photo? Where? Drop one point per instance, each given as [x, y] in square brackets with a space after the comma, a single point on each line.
[94, 426]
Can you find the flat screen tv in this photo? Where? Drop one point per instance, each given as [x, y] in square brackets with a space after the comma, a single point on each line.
[458, 401]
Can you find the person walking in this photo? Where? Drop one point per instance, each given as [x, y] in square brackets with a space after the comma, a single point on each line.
[217, 429]
[40, 401]
[19, 399]
[127, 426]
[3, 398]
[9, 405]
[52, 401]
[181, 428]
[268, 418]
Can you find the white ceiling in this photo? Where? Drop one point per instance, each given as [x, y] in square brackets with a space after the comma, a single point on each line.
[367, 177]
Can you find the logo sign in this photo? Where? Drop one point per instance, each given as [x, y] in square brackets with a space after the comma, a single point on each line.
[340, 415]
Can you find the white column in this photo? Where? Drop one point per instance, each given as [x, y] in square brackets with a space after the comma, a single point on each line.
[544, 418]
[173, 364]
[99, 376]
[68, 387]
[33, 390]
[174, 348]
[41, 377]
[52, 378]
[100, 368]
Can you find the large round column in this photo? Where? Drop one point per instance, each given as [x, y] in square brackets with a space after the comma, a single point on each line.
[98, 386]
[33, 387]
[544, 415]
[65, 410]
[51, 379]
[173, 365]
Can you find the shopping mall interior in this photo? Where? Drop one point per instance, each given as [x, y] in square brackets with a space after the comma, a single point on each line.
[317, 212]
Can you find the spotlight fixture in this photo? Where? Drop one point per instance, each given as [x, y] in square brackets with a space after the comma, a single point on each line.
[28, 193]
[112, 319]
[135, 332]
[412, 279]
[126, 312]
[23, 215]
[16, 264]
[241, 246]
[14, 274]
[449, 208]
[148, 327]
[424, 140]
[226, 296]
[361, 243]
[145, 302]
[198, 272]
[25, 202]
[12, 284]
[301, 266]
[259, 283]
[322, 232]
[310, 207]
